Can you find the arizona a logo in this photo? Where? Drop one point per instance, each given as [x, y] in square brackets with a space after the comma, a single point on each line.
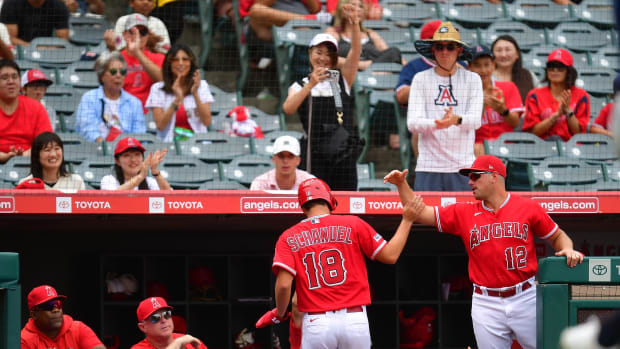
[445, 96]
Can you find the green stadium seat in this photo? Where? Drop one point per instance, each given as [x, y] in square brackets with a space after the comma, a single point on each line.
[81, 75]
[6, 185]
[66, 122]
[389, 31]
[471, 36]
[52, 52]
[597, 81]
[64, 99]
[87, 29]
[612, 171]
[15, 169]
[185, 172]
[264, 146]
[580, 36]
[365, 171]
[596, 12]
[413, 12]
[473, 12]
[26, 65]
[94, 169]
[597, 186]
[540, 12]
[151, 127]
[589, 147]
[245, 168]
[213, 147]
[224, 101]
[527, 37]
[374, 184]
[78, 149]
[222, 185]
[607, 57]
[561, 170]
[521, 145]
[537, 57]
[596, 105]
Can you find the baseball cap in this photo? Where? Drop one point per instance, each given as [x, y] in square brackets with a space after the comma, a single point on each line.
[481, 51]
[42, 294]
[286, 143]
[429, 29]
[136, 19]
[151, 305]
[33, 75]
[486, 163]
[561, 55]
[323, 37]
[128, 143]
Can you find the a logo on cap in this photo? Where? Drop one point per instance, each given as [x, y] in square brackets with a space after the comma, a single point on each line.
[49, 291]
[443, 29]
[558, 54]
[478, 48]
[491, 167]
[155, 303]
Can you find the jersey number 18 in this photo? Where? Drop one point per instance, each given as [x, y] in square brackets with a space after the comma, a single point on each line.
[330, 268]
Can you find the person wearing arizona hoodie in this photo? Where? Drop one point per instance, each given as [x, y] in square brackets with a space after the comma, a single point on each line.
[48, 327]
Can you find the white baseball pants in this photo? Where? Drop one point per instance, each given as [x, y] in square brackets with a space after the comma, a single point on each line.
[336, 329]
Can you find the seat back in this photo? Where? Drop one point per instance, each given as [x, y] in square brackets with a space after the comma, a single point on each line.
[596, 12]
[245, 168]
[185, 172]
[561, 170]
[590, 146]
[540, 12]
[597, 81]
[473, 12]
[213, 147]
[87, 29]
[81, 75]
[607, 57]
[579, 36]
[15, 169]
[389, 31]
[52, 52]
[521, 145]
[414, 12]
[64, 99]
[537, 57]
[94, 169]
[527, 37]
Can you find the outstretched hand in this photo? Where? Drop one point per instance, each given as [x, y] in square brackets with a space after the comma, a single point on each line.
[157, 158]
[351, 13]
[396, 177]
[572, 257]
[413, 208]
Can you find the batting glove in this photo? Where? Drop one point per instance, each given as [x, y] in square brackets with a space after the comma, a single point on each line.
[271, 318]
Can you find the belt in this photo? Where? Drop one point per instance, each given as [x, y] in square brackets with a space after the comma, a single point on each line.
[357, 309]
[508, 292]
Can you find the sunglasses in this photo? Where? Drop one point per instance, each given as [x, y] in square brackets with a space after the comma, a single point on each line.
[113, 71]
[50, 305]
[449, 47]
[155, 318]
[556, 66]
[474, 176]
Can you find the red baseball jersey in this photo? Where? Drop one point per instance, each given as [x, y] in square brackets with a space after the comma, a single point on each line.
[24, 125]
[73, 334]
[138, 82]
[145, 344]
[605, 117]
[326, 255]
[493, 124]
[540, 104]
[499, 244]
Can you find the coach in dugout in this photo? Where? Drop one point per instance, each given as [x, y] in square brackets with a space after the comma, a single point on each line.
[48, 327]
[286, 175]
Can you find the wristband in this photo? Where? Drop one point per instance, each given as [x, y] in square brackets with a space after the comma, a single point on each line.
[156, 175]
[505, 113]
[570, 114]
[460, 120]
[174, 106]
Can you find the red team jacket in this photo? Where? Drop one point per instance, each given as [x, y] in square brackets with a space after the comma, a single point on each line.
[73, 334]
[500, 245]
[326, 255]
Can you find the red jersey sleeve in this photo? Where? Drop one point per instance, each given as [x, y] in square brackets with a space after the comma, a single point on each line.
[602, 120]
[532, 111]
[543, 226]
[371, 242]
[283, 257]
[87, 338]
[512, 97]
[581, 107]
[43, 120]
[447, 219]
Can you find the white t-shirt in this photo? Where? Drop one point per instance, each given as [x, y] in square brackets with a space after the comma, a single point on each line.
[66, 184]
[450, 149]
[110, 182]
[161, 99]
[156, 26]
[4, 34]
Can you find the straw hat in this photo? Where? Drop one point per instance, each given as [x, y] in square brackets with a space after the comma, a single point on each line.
[445, 32]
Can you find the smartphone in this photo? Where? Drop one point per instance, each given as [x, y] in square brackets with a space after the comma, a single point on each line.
[333, 75]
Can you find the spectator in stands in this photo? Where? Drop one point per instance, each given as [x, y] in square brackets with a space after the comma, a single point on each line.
[374, 48]
[410, 70]
[180, 103]
[34, 85]
[603, 123]
[28, 19]
[107, 111]
[131, 169]
[502, 103]
[373, 9]
[5, 43]
[286, 175]
[155, 321]
[88, 6]
[324, 103]
[48, 327]
[143, 63]
[508, 65]
[21, 118]
[266, 13]
[560, 109]
[47, 162]
[114, 38]
[172, 13]
[445, 108]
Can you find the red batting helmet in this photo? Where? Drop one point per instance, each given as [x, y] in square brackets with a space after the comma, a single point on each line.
[313, 189]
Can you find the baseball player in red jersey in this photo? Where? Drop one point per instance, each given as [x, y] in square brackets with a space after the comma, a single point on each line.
[498, 235]
[324, 255]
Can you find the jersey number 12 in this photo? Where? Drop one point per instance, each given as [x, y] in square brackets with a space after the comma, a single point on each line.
[518, 258]
[328, 268]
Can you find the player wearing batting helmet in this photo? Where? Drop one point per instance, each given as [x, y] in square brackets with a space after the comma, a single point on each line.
[498, 235]
[324, 255]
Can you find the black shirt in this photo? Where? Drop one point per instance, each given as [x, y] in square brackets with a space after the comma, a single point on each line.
[34, 22]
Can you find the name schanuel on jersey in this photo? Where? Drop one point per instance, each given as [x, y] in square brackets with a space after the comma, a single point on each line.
[445, 96]
[512, 230]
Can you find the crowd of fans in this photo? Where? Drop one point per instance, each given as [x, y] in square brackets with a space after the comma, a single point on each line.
[456, 96]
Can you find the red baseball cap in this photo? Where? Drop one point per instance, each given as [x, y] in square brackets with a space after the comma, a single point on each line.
[42, 294]
[33, 75]
[429, 29]
[151, 305]
[561, 55]
[488, 163]
[128, 143]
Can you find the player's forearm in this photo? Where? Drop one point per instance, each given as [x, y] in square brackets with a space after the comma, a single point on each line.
[561, 241]
[393, 249]
[283, 293]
